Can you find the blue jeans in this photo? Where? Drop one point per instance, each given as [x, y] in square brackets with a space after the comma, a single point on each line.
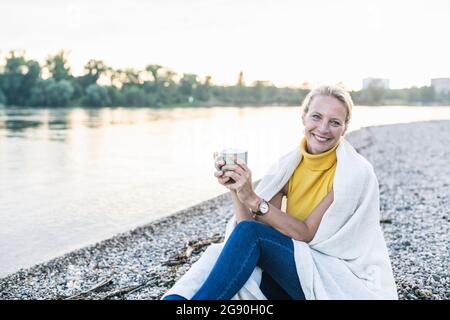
[252, 244]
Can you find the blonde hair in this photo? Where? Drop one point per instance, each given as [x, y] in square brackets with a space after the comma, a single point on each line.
[332, 91]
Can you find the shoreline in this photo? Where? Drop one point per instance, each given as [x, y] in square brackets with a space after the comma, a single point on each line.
[143, 263]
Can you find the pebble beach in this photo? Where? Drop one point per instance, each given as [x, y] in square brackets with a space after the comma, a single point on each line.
[412, 163]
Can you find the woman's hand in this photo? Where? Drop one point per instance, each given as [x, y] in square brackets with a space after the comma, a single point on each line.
[219, 174]
[242, 184]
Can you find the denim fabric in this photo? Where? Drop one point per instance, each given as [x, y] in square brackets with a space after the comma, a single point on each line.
[273, 291]
[252, 244]
[174, 297]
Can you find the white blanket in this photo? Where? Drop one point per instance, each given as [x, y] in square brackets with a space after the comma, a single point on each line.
[348, 257]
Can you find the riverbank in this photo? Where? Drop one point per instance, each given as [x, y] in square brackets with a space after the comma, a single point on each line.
[410, 160]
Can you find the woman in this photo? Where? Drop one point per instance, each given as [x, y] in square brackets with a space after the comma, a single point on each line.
[273, 254]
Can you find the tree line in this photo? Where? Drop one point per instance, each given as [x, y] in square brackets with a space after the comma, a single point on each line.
[26, 82]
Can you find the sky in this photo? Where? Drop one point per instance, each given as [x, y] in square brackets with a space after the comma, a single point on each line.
[286, 42]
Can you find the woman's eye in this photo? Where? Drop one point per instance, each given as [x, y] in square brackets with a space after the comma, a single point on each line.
[315, 116]
[335, 123]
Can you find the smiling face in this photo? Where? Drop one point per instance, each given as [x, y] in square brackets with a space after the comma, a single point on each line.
[324, 123]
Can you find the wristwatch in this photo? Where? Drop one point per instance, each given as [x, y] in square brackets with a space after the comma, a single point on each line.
[263, 208]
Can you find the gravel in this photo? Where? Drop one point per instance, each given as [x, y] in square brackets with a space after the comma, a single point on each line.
[413, 168]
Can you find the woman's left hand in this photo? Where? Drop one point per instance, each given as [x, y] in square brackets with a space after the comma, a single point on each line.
[242, 176]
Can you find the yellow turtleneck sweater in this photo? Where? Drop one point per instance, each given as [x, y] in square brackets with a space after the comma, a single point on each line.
[310, 182]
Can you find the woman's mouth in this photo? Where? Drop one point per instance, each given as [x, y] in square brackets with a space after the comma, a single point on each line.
[320, 139]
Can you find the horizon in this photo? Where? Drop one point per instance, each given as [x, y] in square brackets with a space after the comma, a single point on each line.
[400, 41]
[201, 77]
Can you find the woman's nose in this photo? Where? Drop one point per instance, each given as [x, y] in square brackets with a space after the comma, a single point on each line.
[323, 126]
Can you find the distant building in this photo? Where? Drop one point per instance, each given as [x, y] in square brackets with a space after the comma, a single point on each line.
[375, 82]
[441, 85]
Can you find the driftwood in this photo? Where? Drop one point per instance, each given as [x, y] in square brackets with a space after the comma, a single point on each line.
[94, 288]
[119, 291]
[191, 247]
[123, 290]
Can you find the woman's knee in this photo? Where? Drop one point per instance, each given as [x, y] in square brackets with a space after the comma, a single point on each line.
[249, 228]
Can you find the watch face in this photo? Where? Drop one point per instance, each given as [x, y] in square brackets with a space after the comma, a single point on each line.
[264, 207]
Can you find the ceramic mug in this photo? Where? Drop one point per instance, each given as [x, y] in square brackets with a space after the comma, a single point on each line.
[230, 155]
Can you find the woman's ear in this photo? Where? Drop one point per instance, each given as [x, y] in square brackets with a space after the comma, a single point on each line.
[303, 117]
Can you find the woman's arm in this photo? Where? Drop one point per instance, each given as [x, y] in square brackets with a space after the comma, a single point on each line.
[241, 211]
[295, 228]
[286, 224]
